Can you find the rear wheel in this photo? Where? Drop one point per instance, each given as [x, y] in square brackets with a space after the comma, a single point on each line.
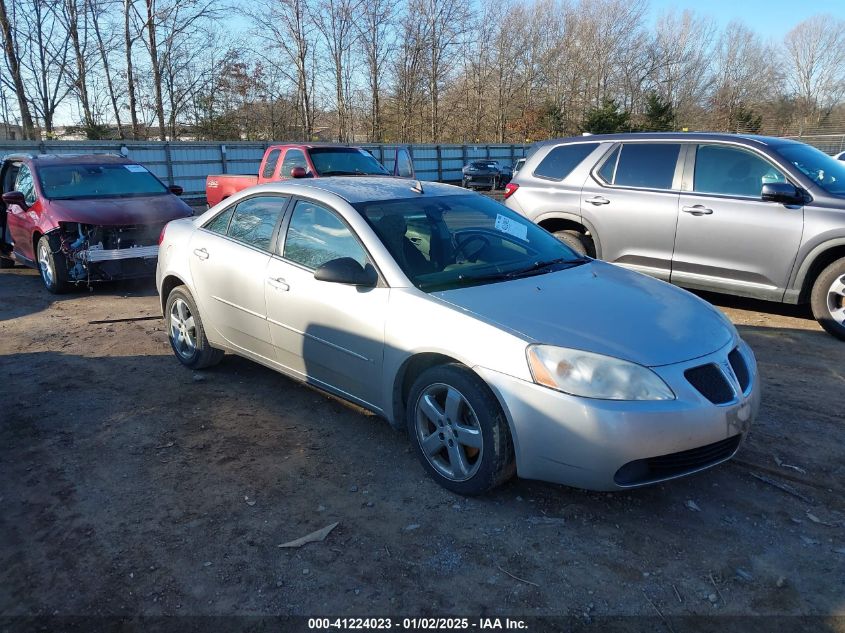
[574, 240]
[186, 332]
[52, 264]
[459, 431]
[828, 299]
[7, 263]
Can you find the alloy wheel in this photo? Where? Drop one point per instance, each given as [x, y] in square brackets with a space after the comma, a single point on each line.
[183, 329]
[45, 264]
[449, 432]
[836, 300]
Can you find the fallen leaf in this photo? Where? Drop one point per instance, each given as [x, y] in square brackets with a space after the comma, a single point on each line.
[319, 535]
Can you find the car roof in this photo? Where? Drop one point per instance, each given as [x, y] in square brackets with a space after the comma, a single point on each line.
[70, 159]
[356, 189]
[667, 136]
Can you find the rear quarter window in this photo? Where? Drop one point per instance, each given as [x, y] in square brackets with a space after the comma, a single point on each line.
[270, 164]
[560, 162]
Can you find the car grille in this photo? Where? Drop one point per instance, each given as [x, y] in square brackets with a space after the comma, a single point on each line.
[740, 369]
[643, 471]
[711, 383]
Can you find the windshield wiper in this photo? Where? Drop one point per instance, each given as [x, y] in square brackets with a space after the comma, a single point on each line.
[538, 268]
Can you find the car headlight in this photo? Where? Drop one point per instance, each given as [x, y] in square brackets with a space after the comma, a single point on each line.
[590, 375]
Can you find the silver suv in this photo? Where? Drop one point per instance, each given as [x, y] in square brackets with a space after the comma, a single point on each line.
[744, 215]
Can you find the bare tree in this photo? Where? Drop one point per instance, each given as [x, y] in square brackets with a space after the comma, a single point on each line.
[95, 11]
[13, 62]
[129, 38]
[73, 16]
[681, 49]
[815, 67]
[744, 74]
[335, 21]
[408, 75]
[284, 26]
[444, 24]
[375, 32]
[46, 62]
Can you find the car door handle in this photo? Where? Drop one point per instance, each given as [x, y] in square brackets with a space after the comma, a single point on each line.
[697, 209]
[597, 200]
[201, 253]
[278, 283]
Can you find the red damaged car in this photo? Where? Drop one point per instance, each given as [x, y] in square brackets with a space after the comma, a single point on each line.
[80, 219]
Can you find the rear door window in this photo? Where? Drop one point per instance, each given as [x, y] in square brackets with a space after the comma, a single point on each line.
[560, 162]
[254, 220]
[642, 165]
[731, 171]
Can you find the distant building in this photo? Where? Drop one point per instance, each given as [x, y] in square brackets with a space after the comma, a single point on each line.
[10, 132]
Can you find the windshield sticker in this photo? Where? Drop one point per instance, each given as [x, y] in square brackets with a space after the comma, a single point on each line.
[506, 225]
[136, 169]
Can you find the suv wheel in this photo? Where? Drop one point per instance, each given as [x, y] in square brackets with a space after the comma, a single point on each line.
[574, 240]
[828, 299]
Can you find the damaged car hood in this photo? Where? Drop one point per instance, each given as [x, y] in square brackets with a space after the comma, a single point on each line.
[120, 211]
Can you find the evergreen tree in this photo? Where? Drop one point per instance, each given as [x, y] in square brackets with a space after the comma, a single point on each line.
[607, 119]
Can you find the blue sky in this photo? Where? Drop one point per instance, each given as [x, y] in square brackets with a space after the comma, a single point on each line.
[769, 18]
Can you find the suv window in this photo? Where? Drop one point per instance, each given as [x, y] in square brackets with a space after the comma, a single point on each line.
[316, 236]
[645, 165]
[270, 163]
[254, 220]
[293, 158]
[560, 162]
[732, 171]
[25, 185]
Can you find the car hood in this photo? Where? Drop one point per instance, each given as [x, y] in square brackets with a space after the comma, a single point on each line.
[120, 211]
[604, 309]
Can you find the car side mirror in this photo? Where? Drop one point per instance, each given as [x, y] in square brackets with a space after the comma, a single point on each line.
[782, 192]
[298, 172]
[15, 197]
[176, 190]
[345, 270]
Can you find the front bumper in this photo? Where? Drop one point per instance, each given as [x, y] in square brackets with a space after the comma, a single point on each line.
[614, 445]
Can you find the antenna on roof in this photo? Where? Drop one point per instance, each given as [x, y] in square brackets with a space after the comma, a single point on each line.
[417, 188]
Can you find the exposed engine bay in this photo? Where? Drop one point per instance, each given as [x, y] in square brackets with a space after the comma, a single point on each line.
[103, 253]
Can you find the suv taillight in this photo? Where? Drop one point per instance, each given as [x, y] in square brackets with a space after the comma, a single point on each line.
[161, 235]
[510, 188]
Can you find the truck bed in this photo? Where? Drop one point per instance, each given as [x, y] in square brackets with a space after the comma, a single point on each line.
[220, 187]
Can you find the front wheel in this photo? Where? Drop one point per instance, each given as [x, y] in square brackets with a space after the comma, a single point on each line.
[52, 264]
[186, 332]
[459, 431]
[828, 299]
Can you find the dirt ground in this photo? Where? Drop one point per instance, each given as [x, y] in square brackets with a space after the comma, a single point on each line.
[130, 485]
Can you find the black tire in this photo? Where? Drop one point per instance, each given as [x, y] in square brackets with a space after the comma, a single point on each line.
[824, 300]
[52, 264]
[7, 263]
[480, 420]
[574, 240]
[202, 355]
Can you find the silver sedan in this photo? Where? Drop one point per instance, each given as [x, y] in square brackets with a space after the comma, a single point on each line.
[498, 348]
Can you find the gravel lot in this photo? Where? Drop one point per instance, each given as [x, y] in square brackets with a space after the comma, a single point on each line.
[129, 485]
